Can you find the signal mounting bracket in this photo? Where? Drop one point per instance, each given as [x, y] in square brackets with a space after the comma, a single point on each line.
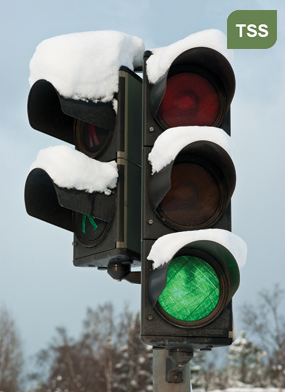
[121, 269]
[175, 364]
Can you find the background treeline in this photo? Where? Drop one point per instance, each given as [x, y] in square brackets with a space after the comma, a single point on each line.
[109, 356]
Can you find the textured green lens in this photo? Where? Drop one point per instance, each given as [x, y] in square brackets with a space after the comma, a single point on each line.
[192, 290]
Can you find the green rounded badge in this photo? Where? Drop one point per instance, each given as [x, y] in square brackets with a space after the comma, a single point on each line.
[252, 29]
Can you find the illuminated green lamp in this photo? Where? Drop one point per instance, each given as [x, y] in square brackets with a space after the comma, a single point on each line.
[192, 290]
[196, 285]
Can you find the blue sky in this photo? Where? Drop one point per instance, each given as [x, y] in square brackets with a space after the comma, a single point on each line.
[38, 282]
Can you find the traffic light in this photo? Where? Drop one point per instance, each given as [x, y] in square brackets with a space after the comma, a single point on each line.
[106, 225]
[190, 266]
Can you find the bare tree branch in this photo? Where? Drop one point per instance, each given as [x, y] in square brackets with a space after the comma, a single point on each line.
[265, 321]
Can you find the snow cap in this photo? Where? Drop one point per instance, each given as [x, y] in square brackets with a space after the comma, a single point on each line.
[162, 58]
[168, 145]
[168, 245]
[85, 65]
[69, 168]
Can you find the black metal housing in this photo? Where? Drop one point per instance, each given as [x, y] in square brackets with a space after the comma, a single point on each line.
[156, 328]
[55, 115]
[123, 240]
[155, 186]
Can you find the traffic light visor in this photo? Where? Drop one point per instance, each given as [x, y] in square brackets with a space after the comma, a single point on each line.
[41, 200]
[89, 215]
[45, 113]
[86, 124]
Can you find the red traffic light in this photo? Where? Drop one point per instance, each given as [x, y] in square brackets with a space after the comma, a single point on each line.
[197, 89]
[189, 99]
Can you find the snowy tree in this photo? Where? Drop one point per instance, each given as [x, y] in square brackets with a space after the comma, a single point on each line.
[135, 365]
[207, 372]
[102, 336]
[275, 367]
[197, 370]
[11, 356]
[265, 320]
[67, 365]
[108, 357]
[246, 364]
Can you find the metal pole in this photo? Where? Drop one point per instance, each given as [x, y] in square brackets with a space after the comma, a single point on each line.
[159, 374]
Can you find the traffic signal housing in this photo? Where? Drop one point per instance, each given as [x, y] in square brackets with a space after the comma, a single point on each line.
[186, 299]
[106, 225]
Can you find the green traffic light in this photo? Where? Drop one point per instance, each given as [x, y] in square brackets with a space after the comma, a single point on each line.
[91, 220]
[192, 290]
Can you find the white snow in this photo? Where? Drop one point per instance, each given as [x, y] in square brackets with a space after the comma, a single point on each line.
[162, 58]
[173, 140]
[246, 389]
[166, 246]
[69, 168]
[85, 65]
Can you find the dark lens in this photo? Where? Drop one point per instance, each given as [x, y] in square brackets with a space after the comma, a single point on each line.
[90, 139]
[88, 229]
[193, 200]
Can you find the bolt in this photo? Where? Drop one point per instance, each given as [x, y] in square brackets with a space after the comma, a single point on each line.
[150, 221]
[151, 129]
[74, 243]
[149, 317]
[175, 377]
